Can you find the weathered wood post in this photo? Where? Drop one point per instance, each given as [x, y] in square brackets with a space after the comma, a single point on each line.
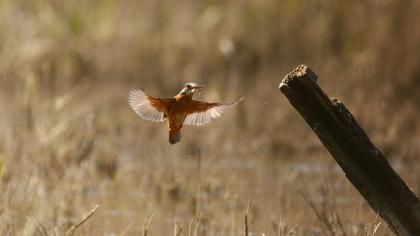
[363, 164]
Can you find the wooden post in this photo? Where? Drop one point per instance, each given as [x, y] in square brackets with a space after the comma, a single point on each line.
[363, 164]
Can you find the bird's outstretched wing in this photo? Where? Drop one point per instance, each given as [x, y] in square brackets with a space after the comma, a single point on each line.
[202, 113]
[148, 108]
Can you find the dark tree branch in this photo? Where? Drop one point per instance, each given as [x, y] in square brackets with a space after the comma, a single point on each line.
[363, 164]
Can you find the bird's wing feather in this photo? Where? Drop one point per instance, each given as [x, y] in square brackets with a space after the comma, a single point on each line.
[148, 108]
[201, 113]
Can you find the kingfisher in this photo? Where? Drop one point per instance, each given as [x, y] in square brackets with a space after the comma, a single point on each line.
[178, 110]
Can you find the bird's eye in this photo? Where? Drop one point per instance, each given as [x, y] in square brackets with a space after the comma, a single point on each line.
[189, 86]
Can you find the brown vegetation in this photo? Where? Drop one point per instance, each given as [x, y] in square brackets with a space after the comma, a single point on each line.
[69, 141]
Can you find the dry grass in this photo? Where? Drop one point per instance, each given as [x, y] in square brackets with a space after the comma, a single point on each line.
[69, 141]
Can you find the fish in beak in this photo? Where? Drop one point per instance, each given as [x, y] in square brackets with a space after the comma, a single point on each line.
[194, 87]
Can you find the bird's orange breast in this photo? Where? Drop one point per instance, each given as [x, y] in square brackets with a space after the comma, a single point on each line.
[179, 111]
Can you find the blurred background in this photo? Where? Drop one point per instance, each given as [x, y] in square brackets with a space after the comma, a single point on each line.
[69, 140]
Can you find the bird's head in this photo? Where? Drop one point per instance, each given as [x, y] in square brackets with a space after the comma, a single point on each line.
[191, 88]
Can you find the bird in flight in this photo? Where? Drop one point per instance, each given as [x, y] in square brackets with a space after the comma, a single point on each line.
[178, 110]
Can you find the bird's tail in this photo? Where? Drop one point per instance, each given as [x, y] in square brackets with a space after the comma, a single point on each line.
[174, 136]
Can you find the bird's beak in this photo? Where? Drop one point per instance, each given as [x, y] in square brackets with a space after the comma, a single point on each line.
[197, 86]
